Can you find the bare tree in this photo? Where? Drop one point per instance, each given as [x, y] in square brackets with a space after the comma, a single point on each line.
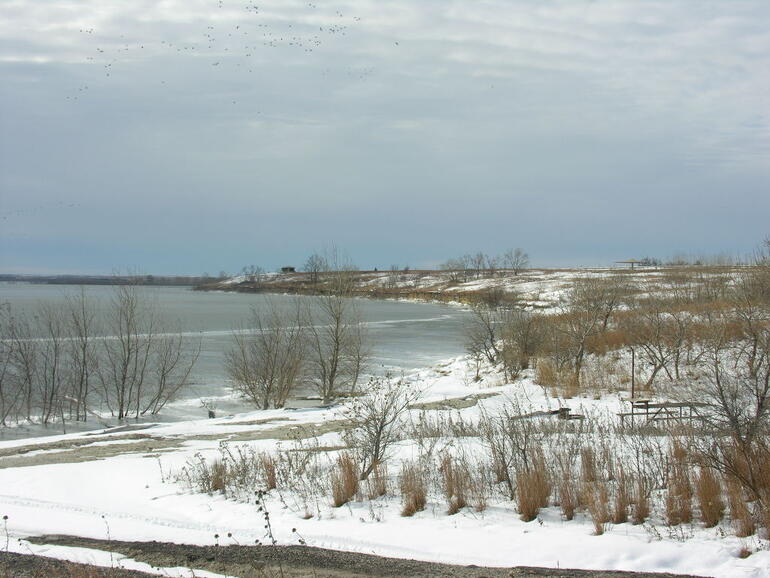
[522, 337]
[477, 263]
[52, 372]
[9, 391]
[454, 268]
[660, 335]
[82, 352]
[125, 355]
[512, 441]
[315, 265]
[484, 328]
[586, 312]
[482, 338]
[337, 350]
[492, 264]
[375, 420]
[516, 260]
[736, 390]
[253, 273]
[391, 281]
[172, 364]
[141, 365]
[266, 360]
[23, 348]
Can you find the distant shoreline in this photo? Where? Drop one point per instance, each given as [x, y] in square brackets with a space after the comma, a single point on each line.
[151, 280]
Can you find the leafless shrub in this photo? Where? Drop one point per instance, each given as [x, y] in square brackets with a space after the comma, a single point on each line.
[375, 420]
[300, 473]
[265, 361]
[479, 485]
[522, 338]
[512, 440]
[203, 476]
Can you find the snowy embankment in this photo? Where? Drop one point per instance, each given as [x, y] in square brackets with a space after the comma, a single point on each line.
[540, 288]
[125, 486]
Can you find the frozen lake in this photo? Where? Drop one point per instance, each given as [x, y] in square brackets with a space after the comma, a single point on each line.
[403, 335]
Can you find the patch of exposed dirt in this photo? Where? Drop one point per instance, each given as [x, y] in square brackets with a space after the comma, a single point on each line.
[305, 561]
[453, 403]
[255, 421]
[78, 450]
[67, 444]
[281, 433]
[29, 566]
[89, 453]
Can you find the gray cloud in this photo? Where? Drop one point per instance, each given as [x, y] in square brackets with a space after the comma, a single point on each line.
[183, 136]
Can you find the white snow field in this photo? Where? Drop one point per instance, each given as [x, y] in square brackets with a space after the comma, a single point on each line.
[136, 495]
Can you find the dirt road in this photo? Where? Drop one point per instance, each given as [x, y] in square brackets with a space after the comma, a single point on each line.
[272, 561]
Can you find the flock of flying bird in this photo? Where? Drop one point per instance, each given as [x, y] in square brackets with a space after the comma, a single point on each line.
[234, 44]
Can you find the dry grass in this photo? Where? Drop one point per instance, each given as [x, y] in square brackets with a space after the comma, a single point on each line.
[533, 489]
[743, 522]
[546, 374]
[622, 499]
[568, 496]
[763, 475]
[344, 480]
[610, 340]
[455, 481]
[744, 552]
[588, 465]
[219, 476]
[641, 502]
[478, 487]
[267, 463]
[708, 492]
[414, 490]
[596, 498]
[377, 483]
[679, 496]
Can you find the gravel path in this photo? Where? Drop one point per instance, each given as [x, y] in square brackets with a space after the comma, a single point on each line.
[273, 561]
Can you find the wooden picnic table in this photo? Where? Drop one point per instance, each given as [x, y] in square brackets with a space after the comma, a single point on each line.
[661, 411]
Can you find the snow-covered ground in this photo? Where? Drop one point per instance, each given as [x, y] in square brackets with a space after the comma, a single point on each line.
[134, 495]
[540, 288]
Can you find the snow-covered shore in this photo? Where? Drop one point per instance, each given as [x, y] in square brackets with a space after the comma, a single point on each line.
[123, 486]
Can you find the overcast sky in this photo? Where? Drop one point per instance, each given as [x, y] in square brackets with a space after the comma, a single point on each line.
[186, 136]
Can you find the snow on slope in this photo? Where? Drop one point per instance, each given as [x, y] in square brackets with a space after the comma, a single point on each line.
[134, 496]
